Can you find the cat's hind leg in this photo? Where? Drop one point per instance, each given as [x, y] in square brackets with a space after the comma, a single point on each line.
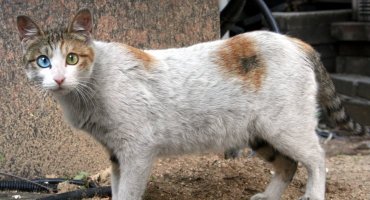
[284, 167]
[303, 146]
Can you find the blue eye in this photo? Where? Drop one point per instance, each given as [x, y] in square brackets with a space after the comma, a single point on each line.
[43, 61]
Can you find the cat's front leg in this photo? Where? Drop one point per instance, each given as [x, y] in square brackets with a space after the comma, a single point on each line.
[134, 172]
[115, 176]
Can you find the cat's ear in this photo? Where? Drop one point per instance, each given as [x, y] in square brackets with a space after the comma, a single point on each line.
[27, 28]
[82, 23]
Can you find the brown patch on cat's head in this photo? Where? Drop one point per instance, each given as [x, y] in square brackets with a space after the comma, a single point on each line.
[84, 52]
[239, 57]
[146, 59]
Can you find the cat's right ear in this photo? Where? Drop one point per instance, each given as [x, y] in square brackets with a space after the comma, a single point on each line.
[27, 28]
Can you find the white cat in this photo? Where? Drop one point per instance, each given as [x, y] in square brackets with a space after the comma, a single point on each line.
[258, 89]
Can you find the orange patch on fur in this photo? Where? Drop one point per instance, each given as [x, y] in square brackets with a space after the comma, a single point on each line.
[85, 53]
[256, 77]
[239, 57]
[302, 45]
[143, 57]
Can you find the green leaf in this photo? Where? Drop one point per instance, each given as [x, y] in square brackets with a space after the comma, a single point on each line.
[81, 176]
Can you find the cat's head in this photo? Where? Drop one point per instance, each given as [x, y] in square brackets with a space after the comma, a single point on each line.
[59, 61]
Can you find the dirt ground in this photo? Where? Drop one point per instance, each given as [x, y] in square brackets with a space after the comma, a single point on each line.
[210, 176]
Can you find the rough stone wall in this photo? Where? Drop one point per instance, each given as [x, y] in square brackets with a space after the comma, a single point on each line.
[34, 139]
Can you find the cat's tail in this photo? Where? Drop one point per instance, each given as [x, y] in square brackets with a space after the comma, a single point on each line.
[332, 104]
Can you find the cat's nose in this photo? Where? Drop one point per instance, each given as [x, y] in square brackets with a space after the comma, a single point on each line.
[59, 80]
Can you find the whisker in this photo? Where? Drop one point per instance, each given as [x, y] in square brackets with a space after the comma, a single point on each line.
[87, 93]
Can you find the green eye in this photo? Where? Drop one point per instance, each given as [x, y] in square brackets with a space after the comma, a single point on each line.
[72, 59]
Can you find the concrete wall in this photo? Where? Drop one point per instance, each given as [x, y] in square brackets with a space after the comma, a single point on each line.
[34, 139]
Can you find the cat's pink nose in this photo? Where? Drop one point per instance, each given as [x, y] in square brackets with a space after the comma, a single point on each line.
[59, 80]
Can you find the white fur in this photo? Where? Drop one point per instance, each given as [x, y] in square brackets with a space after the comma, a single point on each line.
[184, 103]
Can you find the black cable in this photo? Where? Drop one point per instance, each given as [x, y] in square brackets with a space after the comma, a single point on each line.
[54, 181]
[101, 192]
[267, 15]
[40, 185]
[23, 186]
[29, 182]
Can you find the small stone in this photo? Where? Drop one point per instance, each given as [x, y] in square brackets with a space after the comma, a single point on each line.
[67, 187]
[16, 196]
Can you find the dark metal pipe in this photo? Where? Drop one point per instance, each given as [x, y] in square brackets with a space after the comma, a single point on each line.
[267, 15]
[230, 14]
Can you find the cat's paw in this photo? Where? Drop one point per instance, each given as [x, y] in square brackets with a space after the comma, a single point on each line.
[259, 196]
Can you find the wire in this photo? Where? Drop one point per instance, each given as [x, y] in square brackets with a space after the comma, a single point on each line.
[28, 181]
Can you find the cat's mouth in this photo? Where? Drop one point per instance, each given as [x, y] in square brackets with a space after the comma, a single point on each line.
[60, 90]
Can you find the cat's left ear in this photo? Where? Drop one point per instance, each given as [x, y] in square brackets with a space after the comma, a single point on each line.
[27, 28]
[82, 23]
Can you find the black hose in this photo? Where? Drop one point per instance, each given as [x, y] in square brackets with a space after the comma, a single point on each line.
[49, 183]
[100, 192]
[22, 186]
[24, 180]
[55, 181]
[267, 15]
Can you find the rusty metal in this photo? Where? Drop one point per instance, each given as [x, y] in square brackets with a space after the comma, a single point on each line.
[361, 10]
